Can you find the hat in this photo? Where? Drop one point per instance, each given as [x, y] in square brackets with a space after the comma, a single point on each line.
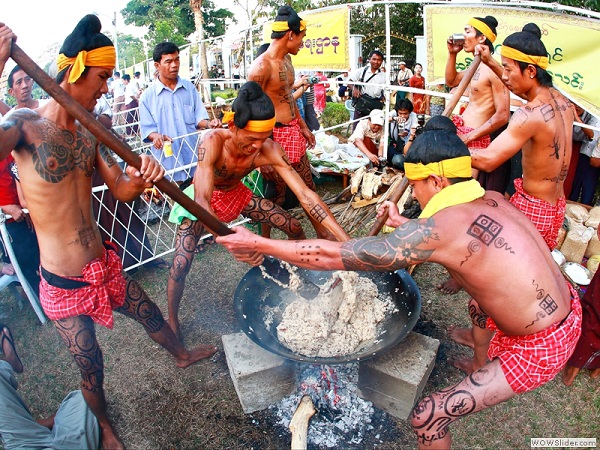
[376, 117]
[220, 101]
[401, 63]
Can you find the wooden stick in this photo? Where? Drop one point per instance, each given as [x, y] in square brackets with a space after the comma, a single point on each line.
[104, 135]
[462, 86]
[299, 423]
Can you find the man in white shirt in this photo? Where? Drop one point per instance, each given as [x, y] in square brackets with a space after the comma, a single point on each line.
[373, 94]
[368, 136]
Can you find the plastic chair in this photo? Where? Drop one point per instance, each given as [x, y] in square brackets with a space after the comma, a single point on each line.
[6, 280]
[350, 108]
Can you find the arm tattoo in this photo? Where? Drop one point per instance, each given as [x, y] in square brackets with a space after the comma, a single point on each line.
[397, 251]
[106, 155]
[318, 213]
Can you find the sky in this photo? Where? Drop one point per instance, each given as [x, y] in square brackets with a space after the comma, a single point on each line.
[41, 23]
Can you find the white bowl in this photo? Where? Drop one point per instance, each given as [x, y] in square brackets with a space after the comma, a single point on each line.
[576, 272]
[558, 257]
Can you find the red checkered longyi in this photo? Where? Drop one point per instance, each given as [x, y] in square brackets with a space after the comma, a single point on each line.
[546, 217]
[228, 205]
[476, 144]
[291, 139]
[531, 361]
[106, 290]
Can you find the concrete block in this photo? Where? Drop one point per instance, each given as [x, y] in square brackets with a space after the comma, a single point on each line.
[394, 380]
[261, 378]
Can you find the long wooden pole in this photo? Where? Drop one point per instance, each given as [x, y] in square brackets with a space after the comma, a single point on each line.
[399, 191]
[104, 135]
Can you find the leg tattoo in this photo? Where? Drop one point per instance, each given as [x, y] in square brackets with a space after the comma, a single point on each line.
[265, 211]
[140, 308]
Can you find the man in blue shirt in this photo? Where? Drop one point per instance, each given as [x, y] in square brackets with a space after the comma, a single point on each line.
[171, 110]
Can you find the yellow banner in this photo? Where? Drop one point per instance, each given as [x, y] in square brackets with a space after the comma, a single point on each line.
[572, 44]
[326, 42]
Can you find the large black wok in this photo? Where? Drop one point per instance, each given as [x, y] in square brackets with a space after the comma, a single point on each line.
[258, 300]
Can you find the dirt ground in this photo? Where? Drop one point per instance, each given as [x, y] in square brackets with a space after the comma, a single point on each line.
[156, 405]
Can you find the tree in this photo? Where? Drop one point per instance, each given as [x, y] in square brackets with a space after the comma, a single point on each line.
[173, 20]
[131, 50]
[196, 6]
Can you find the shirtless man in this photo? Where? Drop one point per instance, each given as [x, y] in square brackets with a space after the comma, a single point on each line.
[225, 157]
[488, 108]
[274, 71]
[20, 86]
[543, 129]
[480, 238]
[82, 280]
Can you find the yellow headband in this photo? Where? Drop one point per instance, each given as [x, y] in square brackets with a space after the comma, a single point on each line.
[256, 126]
[99, 57]
[450, 168]
[280, 26]
[482, 28]
[509, 52]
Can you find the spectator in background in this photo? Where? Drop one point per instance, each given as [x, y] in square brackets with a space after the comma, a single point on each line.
[403, 122]
[236, 75]
[368, 136]
[402, 79]
[169, 109]
[20, 86]
[131, 106]
[586, 173]
[418, 81]
[118, 93]
[342, 82]
[371, 73]
[320, 90]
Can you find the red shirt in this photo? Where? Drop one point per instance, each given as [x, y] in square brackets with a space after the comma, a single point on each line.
[8, 186]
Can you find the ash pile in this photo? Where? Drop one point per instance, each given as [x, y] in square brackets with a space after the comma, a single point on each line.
[342, 418]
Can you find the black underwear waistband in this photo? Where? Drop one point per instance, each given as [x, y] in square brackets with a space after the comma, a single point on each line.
[281, 125]
[68, 283]
[61, 282]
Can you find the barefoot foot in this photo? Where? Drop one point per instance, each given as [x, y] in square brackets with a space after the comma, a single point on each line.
[196, 354]
[462, 336]
[450, 286]
[595, 373]
[465, 364]
[569, 374]
[7, 344]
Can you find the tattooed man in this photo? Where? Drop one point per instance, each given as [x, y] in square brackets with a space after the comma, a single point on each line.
[274, 71]
[481, 239]
[224, 158]
[488, 108]
[543, 129]
[82, 280]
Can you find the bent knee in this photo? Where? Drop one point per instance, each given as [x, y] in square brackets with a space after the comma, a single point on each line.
[429, 424]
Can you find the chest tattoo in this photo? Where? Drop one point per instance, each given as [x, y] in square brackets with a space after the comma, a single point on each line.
[61, 152]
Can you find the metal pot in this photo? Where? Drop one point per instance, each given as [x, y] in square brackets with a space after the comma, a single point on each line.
[259, 306]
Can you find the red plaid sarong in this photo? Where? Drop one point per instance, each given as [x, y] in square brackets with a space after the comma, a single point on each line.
[546, 217]
[228, 205]
[291, 139]
[532, 360]
[105, 291]
[477, 144]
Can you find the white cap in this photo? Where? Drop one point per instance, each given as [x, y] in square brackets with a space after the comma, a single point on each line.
[220, 101]
[376, 117]
[401, 63]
